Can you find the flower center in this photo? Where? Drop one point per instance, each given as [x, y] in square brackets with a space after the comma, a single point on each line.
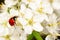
[7, 37]
[40, 9]
[53, 24]
[51, 1]
[30, 22]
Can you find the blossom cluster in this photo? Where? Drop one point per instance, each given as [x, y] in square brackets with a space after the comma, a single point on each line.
[19, 18]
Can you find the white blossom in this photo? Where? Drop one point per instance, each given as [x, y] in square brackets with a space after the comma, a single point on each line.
[10, 3]
[50, 37]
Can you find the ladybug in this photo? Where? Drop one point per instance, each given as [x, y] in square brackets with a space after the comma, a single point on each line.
[12, 20]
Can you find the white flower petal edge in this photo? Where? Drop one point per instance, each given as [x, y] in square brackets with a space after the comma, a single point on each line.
[56, 4]
[4, 17]
[37, 27]
[40, 17]
[2, 38]
[47, 8]
[14, 12]
[10, 3]
[53, 25]
[23, 36]
[3, 30]
[28, 29]
[28, 13]
[22, 21]
[50, 37]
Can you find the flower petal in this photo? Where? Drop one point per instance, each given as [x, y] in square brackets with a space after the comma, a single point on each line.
[28, 29]
[37, 27]
[50, 37]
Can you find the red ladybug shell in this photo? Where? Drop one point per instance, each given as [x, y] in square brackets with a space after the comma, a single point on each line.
[12, 21]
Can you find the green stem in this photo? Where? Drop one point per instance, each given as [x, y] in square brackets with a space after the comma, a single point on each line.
[30, 37]
[37, 35]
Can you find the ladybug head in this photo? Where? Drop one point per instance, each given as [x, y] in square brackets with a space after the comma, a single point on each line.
[14, 17]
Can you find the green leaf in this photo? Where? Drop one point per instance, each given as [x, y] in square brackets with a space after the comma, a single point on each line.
[37, 35]
[30, 37]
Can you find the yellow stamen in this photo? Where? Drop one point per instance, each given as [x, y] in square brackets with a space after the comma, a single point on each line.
[41, 3]
[29, 1]
[51, 1]
[22, 14]
[40, 10]
[30, 22]
[54, 24]
[7, 37]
